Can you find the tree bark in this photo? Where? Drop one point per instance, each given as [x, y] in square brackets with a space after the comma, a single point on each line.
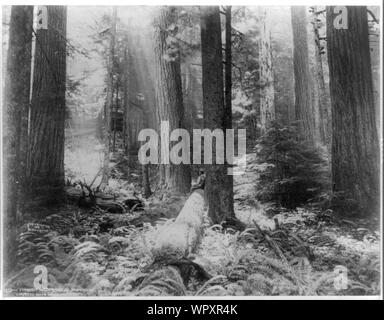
[132, 89]
[267, 106]
[114, 123]
[228, 67]
[15, 124]
[303, 92]
[191, 86]
[46, 140]
[169, 95]
[219, 185]
[355, 146]
[126, 112]
[146, 184]
[322, 95]
[109, 103]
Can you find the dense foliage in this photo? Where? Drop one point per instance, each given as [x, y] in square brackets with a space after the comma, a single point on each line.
[291, 171]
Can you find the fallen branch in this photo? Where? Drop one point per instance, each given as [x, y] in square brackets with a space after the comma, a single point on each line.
[271, 242]
[93, 198]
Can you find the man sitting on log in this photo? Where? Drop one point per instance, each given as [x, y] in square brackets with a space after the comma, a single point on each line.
[200, 183]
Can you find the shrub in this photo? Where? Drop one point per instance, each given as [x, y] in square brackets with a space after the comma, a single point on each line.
[291, 171]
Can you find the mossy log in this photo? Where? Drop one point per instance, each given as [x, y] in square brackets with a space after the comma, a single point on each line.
[173, 246]
[180, 238]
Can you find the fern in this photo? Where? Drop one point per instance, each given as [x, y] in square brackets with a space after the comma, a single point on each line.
[88, 251]
[215, 281]
[216, 290]
[117, 243]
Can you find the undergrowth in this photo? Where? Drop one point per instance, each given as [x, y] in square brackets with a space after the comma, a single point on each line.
[82, 260]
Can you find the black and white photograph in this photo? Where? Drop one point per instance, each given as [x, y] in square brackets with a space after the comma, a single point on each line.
[191, 151]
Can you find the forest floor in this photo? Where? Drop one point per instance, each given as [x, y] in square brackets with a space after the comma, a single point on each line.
[284, 252]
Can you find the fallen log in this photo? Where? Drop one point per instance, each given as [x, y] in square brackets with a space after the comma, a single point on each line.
[109, 206]
[173, 246]
[106, 202]
[179, 239]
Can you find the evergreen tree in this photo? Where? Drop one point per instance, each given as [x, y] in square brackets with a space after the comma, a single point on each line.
[355, 145]
[219, 185]
[15, 115]
[46, 138]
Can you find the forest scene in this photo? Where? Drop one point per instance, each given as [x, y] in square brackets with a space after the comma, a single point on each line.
[191, 151]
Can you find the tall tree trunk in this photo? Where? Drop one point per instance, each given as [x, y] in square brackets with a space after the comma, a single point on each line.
[169, 95]
[15, 124]
[219, 185]
[115, 117]
[267, 106]
[314, 83]
[303, 93]
[375, 50]
[126, 113]
[109, 103]
[141, 86]
[46, 140]
[145, 167]
[321, 96]
[145, 181]
[149, 118]
[355, 146]
[189, 88]
[138, 95]
[228, 67]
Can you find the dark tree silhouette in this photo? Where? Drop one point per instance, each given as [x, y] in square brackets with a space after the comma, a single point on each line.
[355, 146]
[219, 185]
[46, 139]
[15, 115]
